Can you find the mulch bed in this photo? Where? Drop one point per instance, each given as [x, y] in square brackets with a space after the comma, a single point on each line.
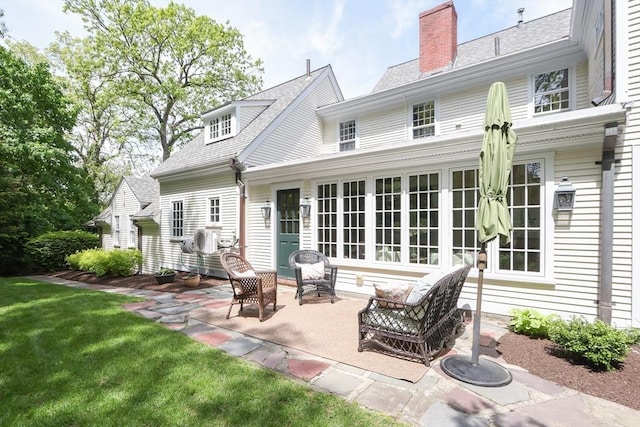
[545, 359]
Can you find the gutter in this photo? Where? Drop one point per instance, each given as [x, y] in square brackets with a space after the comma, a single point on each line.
[235, 167]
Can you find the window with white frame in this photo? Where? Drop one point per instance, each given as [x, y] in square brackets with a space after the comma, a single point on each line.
[214, 210]
[177, 219]
[424, 218]
[353, 219]
[465, 193]
[551, 91]
[327, 201]
[116, 230]
[220, 127]
[133, 231]
[388, 214]
[347, 135]
[424, 119]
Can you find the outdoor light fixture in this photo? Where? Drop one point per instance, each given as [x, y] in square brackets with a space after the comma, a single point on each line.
[305, 207]
[565, 196]
[266, 210]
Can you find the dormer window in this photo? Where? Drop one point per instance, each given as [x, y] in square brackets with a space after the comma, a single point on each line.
[220, 127]
[347, 135]
[551, 91]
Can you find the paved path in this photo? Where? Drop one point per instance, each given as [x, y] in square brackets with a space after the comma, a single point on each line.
[436, 400]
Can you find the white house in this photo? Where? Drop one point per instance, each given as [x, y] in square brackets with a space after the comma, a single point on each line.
[391, 176]
[394, 193]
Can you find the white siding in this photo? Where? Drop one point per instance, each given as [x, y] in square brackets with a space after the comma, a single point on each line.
[123, 204]
[247, 114]
[631, 142]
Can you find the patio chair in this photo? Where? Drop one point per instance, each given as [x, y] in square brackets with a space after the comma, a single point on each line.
[314, 273]
[249, 285]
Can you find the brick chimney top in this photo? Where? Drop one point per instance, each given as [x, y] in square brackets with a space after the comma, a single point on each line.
[438, 37]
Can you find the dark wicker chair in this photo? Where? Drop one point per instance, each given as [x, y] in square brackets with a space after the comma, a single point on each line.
[415, 331]
[325, 284]
[249, 285]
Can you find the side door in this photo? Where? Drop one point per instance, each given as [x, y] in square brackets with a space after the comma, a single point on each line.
[288, 223]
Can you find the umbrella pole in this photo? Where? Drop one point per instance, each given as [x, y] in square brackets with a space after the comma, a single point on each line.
[482, 264]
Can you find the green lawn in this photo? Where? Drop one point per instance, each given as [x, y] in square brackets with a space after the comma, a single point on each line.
[71, 357]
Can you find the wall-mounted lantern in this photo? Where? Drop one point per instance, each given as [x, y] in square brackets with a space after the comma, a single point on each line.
[565, 196]
[266, 210]
[305, 207]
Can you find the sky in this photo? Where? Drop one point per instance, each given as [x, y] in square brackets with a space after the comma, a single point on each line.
[360, 39]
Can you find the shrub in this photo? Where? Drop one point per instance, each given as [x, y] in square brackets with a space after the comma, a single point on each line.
[633, 334]
[599, 344]
[115, 262]
[531, 322]
[48, 251]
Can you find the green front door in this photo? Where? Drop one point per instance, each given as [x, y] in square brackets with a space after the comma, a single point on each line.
[288, 223]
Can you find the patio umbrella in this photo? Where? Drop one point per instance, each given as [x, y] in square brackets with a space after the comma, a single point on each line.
[493, 220]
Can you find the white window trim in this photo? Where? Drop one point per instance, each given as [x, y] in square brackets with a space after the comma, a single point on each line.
[531, 90]
[436, 118]
[219, 114]
[171, 228]
[357, 136]
[208, 222]
[116, 231]
[131, 232]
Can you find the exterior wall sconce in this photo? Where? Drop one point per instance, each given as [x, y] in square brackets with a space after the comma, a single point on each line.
[305, 207]
[266, 210]
[565, 196]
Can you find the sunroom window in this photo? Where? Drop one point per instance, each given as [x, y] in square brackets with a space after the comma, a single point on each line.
[551, 91]
[424, 119]
[347, 135]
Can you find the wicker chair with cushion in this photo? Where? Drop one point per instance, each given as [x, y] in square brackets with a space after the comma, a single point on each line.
[249, 285]
[419, 327]
[314, 273]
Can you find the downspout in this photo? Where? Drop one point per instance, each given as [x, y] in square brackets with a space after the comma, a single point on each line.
[139, 232]
[233, 163]
[606, 221]
[607, 84]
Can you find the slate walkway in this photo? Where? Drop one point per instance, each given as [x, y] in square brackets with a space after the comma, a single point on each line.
[436, 400]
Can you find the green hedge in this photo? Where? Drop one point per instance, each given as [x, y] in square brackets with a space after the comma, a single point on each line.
[116, 262]
[48, 251]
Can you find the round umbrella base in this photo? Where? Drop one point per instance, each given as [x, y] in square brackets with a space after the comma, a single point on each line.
[485, 373]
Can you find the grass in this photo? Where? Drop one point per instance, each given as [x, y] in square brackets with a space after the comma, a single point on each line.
[72, 357]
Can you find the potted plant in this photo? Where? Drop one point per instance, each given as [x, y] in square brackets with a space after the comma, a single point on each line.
[192, 279]
[165, 275]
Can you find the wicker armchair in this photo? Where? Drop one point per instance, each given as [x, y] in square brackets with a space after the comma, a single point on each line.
[419, 330]
[322, 280]
[249, 285]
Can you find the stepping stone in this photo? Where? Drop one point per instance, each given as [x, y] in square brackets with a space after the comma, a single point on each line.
[239, 346]
[175, 318]
[385, 398]
[442, 415]
[176, 309]
[464, 401]
[338, 383]
[214, 339]
[306, 369]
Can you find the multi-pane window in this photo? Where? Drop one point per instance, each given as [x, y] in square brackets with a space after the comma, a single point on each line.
[220, 127]
[424, 119]
[132, 232]
[347, 135]
[523, 253]
[353, 214]
[424, 219]
[116, 230]
[177, 219]
[328, 219]
[214, 209]
[388, 216]
[465, 194]
[551, 91]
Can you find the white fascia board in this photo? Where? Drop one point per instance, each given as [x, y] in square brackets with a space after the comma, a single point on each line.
[561, 130]
[195, 172]
[502, 67]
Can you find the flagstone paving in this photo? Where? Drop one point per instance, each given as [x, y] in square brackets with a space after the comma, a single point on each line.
[435, 400]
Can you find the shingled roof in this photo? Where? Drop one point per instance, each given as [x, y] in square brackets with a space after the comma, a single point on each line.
[533, 33]
[197, 154]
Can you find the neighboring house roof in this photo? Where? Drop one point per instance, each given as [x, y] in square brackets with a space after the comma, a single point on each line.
[533, 33]
[145, 189]
[197, 154]
[149, 212]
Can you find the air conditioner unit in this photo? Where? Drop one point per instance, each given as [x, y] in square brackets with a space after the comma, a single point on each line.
[205, 241]
[187, 245]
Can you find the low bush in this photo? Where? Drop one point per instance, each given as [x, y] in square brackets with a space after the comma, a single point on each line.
[531, 322]
[116, 262]
[48, 251]
[599, 344]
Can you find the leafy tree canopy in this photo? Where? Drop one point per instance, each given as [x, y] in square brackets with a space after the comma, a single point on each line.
[40, 187]
[164, 67]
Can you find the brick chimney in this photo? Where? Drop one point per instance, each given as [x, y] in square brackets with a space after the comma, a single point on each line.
[438, 37]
